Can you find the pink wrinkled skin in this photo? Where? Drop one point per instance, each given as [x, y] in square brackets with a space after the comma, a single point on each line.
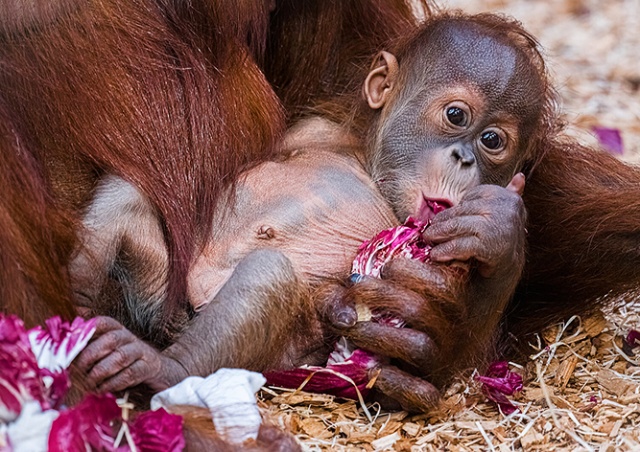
[404, 241]
[499, 383]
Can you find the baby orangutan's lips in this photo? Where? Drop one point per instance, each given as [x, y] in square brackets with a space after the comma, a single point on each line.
[430, 207]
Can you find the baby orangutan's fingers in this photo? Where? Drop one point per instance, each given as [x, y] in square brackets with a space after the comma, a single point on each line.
[517, 184]
[411, 346]
[426, 298]
[119, 359]
[116, 359]
[459, 249]
[412, 393]
[138, 372]
[107, 340]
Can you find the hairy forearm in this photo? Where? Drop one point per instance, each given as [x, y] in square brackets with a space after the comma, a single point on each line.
[250, 322]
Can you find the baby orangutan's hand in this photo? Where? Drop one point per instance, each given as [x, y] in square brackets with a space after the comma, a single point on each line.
[116, 359]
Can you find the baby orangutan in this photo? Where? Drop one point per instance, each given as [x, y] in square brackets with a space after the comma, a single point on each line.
[444, 124]
[451, 117]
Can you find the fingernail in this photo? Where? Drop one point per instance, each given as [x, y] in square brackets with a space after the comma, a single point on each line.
[346, 318]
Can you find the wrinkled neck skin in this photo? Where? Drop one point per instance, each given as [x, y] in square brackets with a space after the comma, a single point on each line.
[316, 207]
[317, 133]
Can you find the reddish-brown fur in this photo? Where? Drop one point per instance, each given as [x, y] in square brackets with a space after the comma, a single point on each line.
[584, 235]
[35, 237]
[133, 89]
[328, 42]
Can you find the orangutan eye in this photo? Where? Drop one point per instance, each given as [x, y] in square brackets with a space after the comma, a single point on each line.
[493, 140]
[457, 114]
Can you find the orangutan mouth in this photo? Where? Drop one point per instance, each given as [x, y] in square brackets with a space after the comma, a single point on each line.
[431, 207]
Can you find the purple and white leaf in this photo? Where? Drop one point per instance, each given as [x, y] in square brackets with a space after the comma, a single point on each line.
[20, 379]
[498, 383]
[58, 343]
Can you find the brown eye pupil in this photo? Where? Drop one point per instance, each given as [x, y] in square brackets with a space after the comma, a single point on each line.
[491, 140]
[456, 116]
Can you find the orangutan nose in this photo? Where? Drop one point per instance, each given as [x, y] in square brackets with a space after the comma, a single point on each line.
[464, 155]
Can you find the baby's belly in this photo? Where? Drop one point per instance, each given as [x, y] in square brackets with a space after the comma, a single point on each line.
[316, 209]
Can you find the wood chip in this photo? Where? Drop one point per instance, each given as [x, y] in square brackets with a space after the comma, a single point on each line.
[565, 371]
[594, 325]
[531, 438]
[616, 428]
[411, 429]
[386, 441]
[304, 398]
[315, 428]
[614, 383]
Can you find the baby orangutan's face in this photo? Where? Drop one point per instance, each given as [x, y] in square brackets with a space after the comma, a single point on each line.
[451, 117]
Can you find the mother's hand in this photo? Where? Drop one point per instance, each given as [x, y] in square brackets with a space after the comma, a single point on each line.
[429, 298]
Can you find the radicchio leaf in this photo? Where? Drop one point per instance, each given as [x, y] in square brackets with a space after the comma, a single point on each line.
[157, 431]
[499, 383]
[33, 379]
[87, 426]
[30, 432]
[336, 378]
[347, 371]
[58, 343]
[633, 339]
[20, 380]
[610, 139]
[405, 240]
[56, 386]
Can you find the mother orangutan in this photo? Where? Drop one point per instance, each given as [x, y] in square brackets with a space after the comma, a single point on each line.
[177, 99]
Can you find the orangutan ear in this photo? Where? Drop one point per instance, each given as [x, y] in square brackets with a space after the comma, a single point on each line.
[381, 80]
